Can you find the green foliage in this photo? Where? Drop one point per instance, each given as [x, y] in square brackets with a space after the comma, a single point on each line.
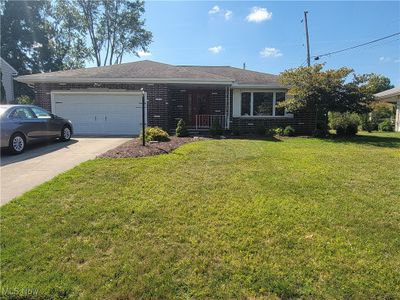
[386, 126]
[289, 131]
[107, 29]
[260, 128]
[345, 124]
[327, 90]
[377, 83]
[216, 129]
[24, 99]
[382, 111]
[367, 124]
[181, 129]
[278, 131]
[219, 219]
[155, 134]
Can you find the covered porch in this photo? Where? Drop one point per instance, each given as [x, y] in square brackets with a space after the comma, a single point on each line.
[201, 107]
[392, 96]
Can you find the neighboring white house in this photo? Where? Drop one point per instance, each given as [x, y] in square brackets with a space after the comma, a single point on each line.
[392, 96]
[7, 78]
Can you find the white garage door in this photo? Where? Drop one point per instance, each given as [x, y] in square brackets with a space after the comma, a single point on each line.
[100, 113]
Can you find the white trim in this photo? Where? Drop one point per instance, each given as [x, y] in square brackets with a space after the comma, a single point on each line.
[259, 86]
[10, 66]
[26, 79]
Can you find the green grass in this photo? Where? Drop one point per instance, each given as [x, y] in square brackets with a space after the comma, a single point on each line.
[221, 219]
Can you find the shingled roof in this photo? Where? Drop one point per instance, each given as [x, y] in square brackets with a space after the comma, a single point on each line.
[151, 71]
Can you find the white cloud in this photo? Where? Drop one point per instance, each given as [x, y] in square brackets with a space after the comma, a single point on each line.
[388, 59]
[259, 14]
[270, 52]
[218, 11]
[142, 53]
[214, 10]
[215, 49]
[228, 15]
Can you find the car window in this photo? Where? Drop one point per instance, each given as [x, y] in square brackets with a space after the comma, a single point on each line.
[22, 113]
[41, 113]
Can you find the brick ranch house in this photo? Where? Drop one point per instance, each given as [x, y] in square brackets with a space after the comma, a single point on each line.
[107, 100]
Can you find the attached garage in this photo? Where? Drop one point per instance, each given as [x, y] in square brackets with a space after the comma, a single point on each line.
[100, 112]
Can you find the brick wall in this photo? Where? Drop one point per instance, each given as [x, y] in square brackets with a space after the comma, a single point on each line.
[166, 105]
[178, 103]
[157, 98]
[303, 122]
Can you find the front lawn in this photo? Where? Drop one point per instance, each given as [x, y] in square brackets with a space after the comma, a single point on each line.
[221, 219]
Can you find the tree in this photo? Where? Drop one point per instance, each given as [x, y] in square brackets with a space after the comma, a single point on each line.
[378, 83]
[324, 91]
[32, 43]
[112, 27]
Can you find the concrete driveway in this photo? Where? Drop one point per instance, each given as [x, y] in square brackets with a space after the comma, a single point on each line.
[40, 163]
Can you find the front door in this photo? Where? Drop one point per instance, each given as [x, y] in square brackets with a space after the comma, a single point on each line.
[198, 104]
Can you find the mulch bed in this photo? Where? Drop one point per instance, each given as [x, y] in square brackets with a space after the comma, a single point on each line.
[134, 148]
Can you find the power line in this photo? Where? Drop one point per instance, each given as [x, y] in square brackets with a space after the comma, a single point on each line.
[317, 57]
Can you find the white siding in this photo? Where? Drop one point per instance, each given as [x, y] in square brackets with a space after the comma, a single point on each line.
[397, 128]
[236, 103]
[7, 78]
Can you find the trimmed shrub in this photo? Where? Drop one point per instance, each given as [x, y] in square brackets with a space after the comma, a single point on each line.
[366, 124]
[260, 128]
[216, 129]
[278, 131]
[270, 132]
[345, 124]
[155, 134]
[385, 126]
[24, 99]
[181, 129]
[288, 131]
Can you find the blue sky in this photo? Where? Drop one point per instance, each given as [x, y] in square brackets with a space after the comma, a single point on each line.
[269, 36]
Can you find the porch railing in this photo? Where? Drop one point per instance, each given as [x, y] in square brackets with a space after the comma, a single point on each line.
[207, 121]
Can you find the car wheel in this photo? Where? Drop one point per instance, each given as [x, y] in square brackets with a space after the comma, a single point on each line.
[66, 133]
[17, 143]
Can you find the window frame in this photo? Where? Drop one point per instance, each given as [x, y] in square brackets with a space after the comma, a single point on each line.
[43, 110]
[274, 92]
[9, 116]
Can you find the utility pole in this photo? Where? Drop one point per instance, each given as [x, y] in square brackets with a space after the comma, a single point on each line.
[307, 39]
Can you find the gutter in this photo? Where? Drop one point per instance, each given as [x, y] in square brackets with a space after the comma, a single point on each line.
[29, 80]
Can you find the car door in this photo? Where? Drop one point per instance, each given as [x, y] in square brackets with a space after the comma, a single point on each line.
[49, 127]
[25, 121]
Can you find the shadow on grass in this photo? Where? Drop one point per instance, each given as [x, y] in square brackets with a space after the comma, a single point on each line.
[377, 141]
[252, 137]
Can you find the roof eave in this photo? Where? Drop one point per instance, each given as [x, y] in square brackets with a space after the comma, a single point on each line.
[29, 80]
[258, 86]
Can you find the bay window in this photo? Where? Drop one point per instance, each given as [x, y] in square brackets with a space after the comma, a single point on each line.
[259, 104]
